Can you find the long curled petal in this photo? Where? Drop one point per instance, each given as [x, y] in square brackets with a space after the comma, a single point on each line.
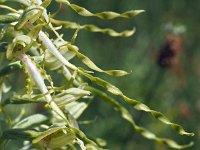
[102, 15]
[93, 28]
[127, 116]
[136, 104]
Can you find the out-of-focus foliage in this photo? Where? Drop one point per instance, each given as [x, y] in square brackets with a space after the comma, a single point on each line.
[160, 88]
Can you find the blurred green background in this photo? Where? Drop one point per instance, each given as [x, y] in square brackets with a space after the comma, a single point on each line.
[161, 88]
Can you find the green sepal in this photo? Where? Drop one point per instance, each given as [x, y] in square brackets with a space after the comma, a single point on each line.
[18, 44]
[29, 16]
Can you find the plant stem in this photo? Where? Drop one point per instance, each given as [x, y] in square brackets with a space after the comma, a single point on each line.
[51, 47]
[37, 78]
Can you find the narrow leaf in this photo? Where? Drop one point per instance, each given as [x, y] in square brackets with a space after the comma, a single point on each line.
[30, 121]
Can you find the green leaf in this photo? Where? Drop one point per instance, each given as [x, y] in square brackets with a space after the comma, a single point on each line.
[103, 15]
[31, 121]
[93, 28]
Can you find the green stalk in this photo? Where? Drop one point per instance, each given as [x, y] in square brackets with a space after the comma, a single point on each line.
[51, 47]
[37, 78]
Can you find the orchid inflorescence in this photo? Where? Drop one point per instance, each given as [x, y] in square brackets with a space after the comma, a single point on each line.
[32, 51]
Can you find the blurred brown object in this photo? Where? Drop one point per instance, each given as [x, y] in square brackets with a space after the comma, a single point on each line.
[185, 111]
[169, 55]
